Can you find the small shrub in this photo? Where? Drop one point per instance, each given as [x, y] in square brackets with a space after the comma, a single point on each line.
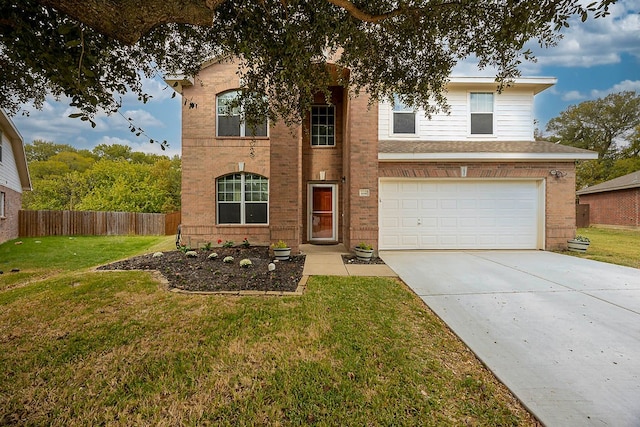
[158, 255]
[227, 244]
[212, 255]
[206, 246]
[364, 246]
[245, 263]
[245, 243]
[191, 254]
[228, 259]
[280, 244]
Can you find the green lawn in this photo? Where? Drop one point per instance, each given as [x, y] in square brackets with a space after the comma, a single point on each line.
[79, 347]
[612, 245]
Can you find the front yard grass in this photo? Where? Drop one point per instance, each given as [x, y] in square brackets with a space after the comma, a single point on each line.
[93, 348]
[615, 246]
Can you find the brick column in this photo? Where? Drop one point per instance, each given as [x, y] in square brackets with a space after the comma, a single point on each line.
[285, 185]
[361, 171]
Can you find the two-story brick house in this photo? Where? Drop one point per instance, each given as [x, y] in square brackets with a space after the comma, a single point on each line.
[14, 177]
[471, 179]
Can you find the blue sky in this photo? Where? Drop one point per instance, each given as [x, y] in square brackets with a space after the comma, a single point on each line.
[593, 59]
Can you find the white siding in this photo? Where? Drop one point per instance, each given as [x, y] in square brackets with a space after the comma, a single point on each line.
[8, 171]
[513, 119]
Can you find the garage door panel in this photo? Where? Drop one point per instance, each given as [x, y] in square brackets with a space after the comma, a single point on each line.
[429, 222]
[428, 240]
[460, 214]
[426, 204]
[448, 222]
[410, 240]
[467, 223]
[409, 222]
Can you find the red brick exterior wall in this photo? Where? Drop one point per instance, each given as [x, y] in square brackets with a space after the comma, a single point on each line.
[206, 157]
[620, 207]
[324, 158]
[560, 215]
[9, 226]
[290, 163]
[361, 172]
[285, 186]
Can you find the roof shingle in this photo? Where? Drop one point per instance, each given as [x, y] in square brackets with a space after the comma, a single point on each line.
[631, 180]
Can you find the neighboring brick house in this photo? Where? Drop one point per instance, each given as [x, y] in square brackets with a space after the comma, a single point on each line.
[14, 177]
[615, 202]
[471, 179]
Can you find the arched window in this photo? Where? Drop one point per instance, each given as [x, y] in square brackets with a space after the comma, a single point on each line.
[243, 198]
[230, 117]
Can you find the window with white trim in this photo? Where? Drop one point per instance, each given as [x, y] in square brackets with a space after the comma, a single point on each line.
[230, 118]
[404, 117]
[2, 202]
[323, 128]
[243, 198]
[481, 109]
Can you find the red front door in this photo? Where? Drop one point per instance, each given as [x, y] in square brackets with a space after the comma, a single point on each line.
[322, 208]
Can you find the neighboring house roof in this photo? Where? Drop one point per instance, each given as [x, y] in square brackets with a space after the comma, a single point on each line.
[631, 180]
[479, 150]
[17, 145]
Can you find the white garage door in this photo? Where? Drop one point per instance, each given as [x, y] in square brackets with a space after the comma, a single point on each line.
[465, 214]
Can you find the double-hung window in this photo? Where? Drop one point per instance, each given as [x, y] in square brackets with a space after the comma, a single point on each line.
[231, 120]
[481, 113]
[323, 128]
[243, 198]
[404, 118]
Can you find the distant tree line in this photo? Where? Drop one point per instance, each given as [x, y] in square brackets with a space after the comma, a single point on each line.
[609, 126]
[107, 178]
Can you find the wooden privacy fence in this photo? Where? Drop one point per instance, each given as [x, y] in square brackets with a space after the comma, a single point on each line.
[582, 216]
[92, 223]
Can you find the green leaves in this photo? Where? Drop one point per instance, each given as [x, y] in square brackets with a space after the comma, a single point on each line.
[382, 46]
[111, 178]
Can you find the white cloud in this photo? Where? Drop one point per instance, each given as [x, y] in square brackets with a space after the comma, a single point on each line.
[626, 85]
[597, 41]
[469, 68]
[155, 87]
[142, 118]
[573, 95]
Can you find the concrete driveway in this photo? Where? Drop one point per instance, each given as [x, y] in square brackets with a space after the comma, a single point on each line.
[563, 333]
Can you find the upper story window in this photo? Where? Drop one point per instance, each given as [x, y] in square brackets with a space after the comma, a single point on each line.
[243, 198]
[404, 118]
[323, 128]
[230, 118]
[481, 108]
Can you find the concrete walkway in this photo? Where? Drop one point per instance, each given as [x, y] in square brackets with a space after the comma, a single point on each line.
[326, 260]
[563, 333]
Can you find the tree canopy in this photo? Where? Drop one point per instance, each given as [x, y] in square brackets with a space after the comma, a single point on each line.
[107, 178]
[604, 125]
[94, 51]
[611, 127]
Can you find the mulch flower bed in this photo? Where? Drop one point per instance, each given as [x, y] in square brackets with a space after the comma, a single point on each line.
[201, 273]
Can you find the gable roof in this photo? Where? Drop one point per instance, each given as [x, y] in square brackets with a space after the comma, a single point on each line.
[479, 151]
[17, 145]
[631, 180]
